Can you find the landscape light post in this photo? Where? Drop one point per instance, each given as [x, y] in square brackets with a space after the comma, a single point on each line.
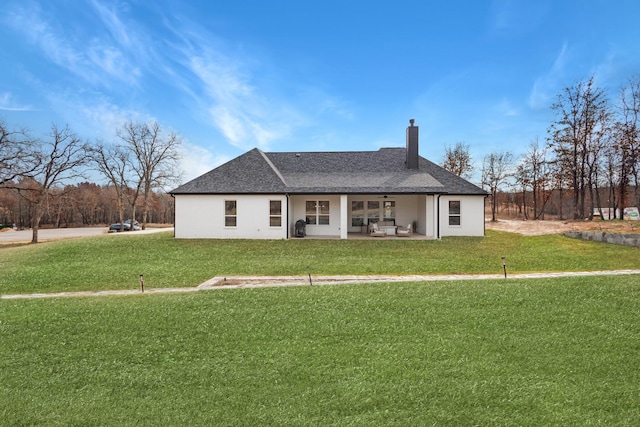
[142, 283]
[504, 266]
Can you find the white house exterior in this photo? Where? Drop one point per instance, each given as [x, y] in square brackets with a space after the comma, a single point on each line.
[262, 195]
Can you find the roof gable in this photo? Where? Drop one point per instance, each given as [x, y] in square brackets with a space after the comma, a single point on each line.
[382, 171]
[252, 172]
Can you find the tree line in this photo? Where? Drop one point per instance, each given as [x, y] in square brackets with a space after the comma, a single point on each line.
[43, 180]
[589, 161]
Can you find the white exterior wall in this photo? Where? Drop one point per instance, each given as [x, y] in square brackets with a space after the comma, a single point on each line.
[471, 216]
[202, 216]
[344, 216]
[427, 224]
[298, 206]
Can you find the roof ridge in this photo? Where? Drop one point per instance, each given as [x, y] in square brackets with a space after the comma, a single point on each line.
[333, 152]
[272, 166]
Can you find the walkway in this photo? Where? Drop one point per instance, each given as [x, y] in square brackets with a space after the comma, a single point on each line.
[49, 234]
[238, 282]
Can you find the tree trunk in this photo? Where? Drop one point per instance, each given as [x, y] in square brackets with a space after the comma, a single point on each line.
[35, 223]
[494, 204]
[561, 197]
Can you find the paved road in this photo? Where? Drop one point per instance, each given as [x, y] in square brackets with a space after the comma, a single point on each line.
[65, 233]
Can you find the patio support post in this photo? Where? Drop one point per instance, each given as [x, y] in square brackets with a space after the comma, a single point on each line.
[344, 216]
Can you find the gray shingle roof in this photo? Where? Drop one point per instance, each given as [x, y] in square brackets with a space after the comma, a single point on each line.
[353, 172]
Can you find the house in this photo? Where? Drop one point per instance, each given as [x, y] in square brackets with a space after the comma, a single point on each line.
[261, 195]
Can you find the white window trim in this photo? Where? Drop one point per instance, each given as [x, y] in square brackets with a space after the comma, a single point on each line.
[318, 214]
[364, 213]
[230, 216]
[459, 215]
[275, 216]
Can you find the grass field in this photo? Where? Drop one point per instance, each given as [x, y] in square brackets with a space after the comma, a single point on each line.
[527, 353]
[115, 262]
[505, 352]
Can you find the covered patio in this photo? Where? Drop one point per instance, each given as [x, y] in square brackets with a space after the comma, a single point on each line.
[352, 216]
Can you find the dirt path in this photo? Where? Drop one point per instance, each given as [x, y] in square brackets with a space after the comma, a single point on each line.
[9, 236]
[240, 282]
[528, 228]
[538, 228]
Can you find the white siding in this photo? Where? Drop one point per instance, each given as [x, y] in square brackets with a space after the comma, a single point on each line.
[298, 204]
[471, 216]
[202, 216]
[426, 224]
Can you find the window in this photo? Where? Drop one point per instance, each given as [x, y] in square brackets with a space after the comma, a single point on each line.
[357, 213]
[389, 211]
[230, 213]
[275, 213]
[317, 212]
[454, 212]
[381, 210]
[373, 211]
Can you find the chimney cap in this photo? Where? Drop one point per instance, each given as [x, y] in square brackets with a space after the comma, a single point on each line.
[412, 121]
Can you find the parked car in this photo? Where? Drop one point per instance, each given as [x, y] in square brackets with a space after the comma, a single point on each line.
[126, 226]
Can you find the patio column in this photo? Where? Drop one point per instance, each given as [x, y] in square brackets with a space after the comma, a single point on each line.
[431, 216]
[344, 216]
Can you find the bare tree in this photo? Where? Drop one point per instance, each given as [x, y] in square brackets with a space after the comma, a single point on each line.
[537, 158]
[534, 174]
[627, 140]
[155, 158]
[457, 160]
[58, 160]
[580, 110]
[114, 162]
[495, 171]
[18, 156]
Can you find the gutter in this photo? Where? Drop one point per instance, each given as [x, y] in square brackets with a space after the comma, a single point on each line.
[438, 218]
[288, 224]
[174, 214]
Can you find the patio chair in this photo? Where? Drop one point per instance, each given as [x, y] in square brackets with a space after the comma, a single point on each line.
[404, 231]
[376, 231]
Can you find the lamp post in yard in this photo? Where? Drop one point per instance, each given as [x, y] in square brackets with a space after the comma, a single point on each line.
[504, 266]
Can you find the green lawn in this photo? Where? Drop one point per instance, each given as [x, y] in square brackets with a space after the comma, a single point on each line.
[115, 262]
[506, 352]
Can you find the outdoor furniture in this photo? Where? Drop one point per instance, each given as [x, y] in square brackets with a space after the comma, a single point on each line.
[376, 231]
[404, 231]
[301, 228]
[390, 230]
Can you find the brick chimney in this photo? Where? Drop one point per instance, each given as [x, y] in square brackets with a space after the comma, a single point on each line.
[412, 146]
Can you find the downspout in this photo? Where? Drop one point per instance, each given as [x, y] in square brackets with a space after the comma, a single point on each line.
[438, 218]
[174, 214]
[484, 222]
[288, 218]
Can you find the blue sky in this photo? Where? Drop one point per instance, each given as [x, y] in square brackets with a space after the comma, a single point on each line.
[309, 76]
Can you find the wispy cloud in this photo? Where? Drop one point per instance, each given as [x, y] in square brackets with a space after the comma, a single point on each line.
[245, 113]
[29, 22]
[505, 108]
[196, 160]
[8, 104]
[513, 17]
[95, 57]
[96, 116]
[113, 23]
[113, 51]
[546, 85]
